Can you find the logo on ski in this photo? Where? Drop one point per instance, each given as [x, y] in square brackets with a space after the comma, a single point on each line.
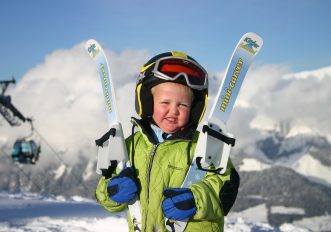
[93, 50]
[105, 85]
[250, 45]
[228, 90]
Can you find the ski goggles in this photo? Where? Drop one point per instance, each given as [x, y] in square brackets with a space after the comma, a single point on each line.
[171, 68]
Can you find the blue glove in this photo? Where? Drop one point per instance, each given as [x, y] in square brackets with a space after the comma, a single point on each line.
[179, 203]
[123, 187]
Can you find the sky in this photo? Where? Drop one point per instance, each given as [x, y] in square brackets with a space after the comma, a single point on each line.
[58, 84]
[42, 44]
[296, 33]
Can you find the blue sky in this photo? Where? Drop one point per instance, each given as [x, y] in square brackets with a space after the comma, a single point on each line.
[296, 33]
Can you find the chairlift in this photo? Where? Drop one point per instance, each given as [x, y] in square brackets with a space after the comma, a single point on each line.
[12, 115]
[26, 150]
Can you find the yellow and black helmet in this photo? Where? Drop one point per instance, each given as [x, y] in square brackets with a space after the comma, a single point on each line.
[172, 67]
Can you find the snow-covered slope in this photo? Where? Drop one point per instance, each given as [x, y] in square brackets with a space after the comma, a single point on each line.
[33, 212]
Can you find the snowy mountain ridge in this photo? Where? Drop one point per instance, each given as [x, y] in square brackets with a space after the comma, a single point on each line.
[287, 177]
[307, 154]
[265, 169]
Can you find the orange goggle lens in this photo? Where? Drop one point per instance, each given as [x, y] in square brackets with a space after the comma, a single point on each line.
[174, 67]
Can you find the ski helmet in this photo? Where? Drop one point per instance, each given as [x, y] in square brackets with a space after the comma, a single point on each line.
[172, 67]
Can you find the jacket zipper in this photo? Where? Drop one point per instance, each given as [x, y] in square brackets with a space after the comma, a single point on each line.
[152, 154]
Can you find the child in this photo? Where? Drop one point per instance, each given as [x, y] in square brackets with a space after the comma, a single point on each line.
[171, 98]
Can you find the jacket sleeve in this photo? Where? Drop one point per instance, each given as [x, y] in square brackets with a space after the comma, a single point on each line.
[103, 198]
[101, 193]
[215, 194]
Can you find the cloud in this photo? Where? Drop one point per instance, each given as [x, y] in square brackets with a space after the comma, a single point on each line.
[271, 95]
[64, 96]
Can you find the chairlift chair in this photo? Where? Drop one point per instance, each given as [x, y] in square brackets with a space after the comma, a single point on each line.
[26, 150]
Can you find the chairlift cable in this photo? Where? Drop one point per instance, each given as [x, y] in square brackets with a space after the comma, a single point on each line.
[22, 171]
[79, 180]
[26, 175]
[31, 179]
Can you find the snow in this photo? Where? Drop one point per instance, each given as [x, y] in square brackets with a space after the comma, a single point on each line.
[89, 171]
[287, 210]
[74, 224]
[311, 167]
[27, 212]
[33, 212]
[321, 223]
[258, 213]
[59, 172]
[300, 159]
[256, 218]
[240, 225]
[250, 164]
[291, 228]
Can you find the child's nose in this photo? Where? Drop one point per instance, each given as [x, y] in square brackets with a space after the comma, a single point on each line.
[174, 109]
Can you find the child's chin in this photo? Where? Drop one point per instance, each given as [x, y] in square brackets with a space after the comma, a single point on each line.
[170, 130]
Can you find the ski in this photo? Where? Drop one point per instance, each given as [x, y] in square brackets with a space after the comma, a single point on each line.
[111, 147]
[214, 143]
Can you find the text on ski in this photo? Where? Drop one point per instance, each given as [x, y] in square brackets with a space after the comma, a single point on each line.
[228, 90]
[105, 84]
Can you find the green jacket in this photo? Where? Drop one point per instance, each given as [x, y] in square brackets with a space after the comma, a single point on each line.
[162, 165]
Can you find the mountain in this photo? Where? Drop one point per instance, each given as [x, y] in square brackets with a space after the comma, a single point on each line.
[284, 180]
[280, 187]
[56, 177]
[307, 154]
[288, 176]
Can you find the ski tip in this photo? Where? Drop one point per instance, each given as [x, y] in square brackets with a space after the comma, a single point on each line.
[93, 48]
[251, 42]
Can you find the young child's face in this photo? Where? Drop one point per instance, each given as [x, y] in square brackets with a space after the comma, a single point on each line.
[172, 105]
